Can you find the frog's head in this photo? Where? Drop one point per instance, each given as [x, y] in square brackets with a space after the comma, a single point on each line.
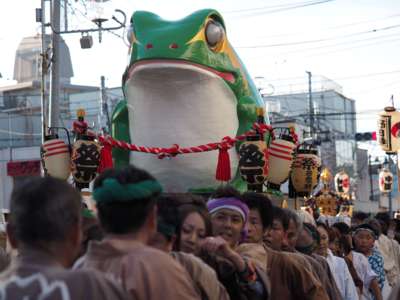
[185, 81]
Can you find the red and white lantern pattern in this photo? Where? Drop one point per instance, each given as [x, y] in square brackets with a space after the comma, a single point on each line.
[342, 182]
[56, 159]
[281, 154]
[385, 181]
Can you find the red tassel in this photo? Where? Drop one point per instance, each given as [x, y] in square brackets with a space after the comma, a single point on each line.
[106, 161]
[223, 172]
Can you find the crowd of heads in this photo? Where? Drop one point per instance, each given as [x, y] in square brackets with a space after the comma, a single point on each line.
[48, 214]
[45, 209]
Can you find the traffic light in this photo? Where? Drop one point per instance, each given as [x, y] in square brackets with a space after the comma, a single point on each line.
[365, 136]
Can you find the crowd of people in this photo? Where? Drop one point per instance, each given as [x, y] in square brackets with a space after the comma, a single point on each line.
[143, 243]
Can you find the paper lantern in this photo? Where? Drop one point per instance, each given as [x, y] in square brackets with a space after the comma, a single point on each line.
[253, 162]
[85, 160]
[305, 171]
[281, 154]
[342, 182]
[385, 181]
[388, 134]
[56, 157]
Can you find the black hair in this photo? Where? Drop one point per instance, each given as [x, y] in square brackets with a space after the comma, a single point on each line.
[342, 227]
[313, 231]
[167, 216]
[226, 191]
[261, 203]
[184, 211]
[360, 215]
[43, 210]
[128, 216]
[293, 216]
[322, 224]
[373, 229]
[281, 215]
[384, 220]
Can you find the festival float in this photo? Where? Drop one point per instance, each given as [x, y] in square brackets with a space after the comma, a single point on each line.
[332, 205]
[192, 116]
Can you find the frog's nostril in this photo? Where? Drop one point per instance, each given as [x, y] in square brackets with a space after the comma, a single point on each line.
[149, 46]
[173, 46]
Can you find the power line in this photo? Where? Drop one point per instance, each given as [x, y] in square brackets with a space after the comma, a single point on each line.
[260, 11]
[267, 7]
[332, 27]
[319, 40]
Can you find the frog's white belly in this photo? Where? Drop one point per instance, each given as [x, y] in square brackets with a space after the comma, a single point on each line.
[175, 103]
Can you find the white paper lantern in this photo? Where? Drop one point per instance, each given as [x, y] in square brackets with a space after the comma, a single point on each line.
[342, 182]
[281, 155]
[385, 181]
[56, 158]
[388, 134]
[305, 171]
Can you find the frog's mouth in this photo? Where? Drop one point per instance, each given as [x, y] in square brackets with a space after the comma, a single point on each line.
[174, 102]
[228, 76]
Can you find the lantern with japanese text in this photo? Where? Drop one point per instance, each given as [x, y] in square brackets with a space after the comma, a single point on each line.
[388, 134]
[305, 170]
[342, 182]
[56, 156]
[385, 181]
[85, 160]
[253, 158]
[281, 154]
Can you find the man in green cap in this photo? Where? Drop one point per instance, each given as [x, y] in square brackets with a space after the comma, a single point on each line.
[126, 204]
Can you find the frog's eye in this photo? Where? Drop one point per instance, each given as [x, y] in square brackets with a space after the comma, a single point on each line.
[214, 33]
[130, 35]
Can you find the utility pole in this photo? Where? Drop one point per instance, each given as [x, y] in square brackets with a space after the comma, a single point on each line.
[371, 182]
[54, 113]
[104, 108]
[310, 103]
[43, 83]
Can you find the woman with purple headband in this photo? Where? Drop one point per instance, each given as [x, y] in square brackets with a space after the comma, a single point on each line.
[228, 218]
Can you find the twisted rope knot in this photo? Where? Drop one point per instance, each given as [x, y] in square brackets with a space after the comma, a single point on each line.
[226, 143]
[169, 152]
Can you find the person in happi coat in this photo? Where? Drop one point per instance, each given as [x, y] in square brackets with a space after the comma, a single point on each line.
[389, 249]
[290, 275]
[320, 267]
[204, 277]
[126, 204]
[364, 237]
[240, 276]
[364, 278]
[45, 227]
[338, 266]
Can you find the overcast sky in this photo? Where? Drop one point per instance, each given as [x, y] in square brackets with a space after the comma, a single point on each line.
[353, 42]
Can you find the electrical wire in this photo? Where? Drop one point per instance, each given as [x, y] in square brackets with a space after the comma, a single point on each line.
[324, 29]
[259, 11]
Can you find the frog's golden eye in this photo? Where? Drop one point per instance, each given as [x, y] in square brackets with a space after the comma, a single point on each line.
[130, 35]
[215, 33]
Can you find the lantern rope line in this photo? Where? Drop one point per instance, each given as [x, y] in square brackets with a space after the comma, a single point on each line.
[226, 143]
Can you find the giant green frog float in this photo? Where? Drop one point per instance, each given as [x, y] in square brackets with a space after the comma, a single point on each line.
[184, 85]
